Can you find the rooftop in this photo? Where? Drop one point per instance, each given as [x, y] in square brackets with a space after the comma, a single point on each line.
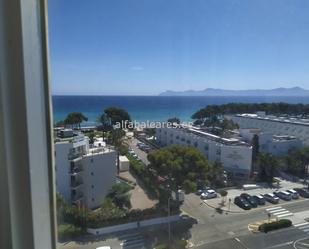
[282, 119]
[223, 140]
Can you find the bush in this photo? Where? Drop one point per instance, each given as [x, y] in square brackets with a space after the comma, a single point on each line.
[176, 244]
[68, 231]
[266, 227]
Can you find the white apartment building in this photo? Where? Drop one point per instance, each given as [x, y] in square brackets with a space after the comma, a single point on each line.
[275, 144]
[83, 174]
[235, 155]
[296, 127]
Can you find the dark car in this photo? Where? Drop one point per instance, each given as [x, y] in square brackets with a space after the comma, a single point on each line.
[259, 199]
[283, 195]
[303, 192]
[249, 199]
[242, 203]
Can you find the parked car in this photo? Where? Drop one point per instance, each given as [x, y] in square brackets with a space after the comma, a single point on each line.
[271, 198]
[259, 199]
[294, 193]
[208, 194]
[201, 189]
[283, 195]
[249, 199]
[242, 203]
[303, 192]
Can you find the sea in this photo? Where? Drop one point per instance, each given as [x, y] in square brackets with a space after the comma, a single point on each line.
[151, 108]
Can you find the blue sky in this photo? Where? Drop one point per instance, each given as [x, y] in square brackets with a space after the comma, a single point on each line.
[144, 47]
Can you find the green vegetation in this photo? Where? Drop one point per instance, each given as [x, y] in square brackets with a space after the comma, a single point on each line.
[113, 116]
[267, 166]
[267, 227]
[120, 196]
[175, 244]
[174, 120]
[269, 108]
[296, 162]
[74, 119]
[182, 167]
[68, 231]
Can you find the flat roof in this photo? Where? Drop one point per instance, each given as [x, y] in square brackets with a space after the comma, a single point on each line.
[286, 120]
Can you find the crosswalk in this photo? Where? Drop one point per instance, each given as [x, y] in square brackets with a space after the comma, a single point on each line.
[132, 241]
[279, 212]
[303, 226]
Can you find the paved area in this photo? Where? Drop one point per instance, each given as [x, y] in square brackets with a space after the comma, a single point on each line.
[141, 154]
[139, 198]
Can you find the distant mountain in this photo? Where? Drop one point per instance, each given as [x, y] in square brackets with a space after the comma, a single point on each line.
[293, 91]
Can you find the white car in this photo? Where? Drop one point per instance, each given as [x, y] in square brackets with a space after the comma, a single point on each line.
[294, 194]
[208, 194]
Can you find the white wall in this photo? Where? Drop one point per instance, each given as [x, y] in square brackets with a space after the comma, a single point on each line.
[62, 165]
[99, 175]
[275, 127]
[234, 158]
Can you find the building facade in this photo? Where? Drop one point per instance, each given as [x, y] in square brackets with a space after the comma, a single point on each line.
[236, 156]
[83, 174]
[275, 144]
[295, 127]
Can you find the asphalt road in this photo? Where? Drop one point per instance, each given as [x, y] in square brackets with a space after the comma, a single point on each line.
[214, 227]
[290, 238]
[141, 154]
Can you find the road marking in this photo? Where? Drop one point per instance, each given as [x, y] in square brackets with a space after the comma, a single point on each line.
[280, 245]
[303, 227]
[282, 212]
[269, 209]
[285, 215]
[301, 224]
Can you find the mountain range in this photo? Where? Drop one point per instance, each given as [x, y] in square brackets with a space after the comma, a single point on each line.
[293, 91]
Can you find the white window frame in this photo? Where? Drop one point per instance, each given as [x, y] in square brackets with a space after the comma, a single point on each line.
[27, 208]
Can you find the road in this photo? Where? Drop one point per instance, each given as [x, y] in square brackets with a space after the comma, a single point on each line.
[141, 154]
[290, 238]
[213, 227]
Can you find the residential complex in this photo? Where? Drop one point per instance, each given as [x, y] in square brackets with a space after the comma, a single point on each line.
[84, 174]
[270, 143]
[296, 127]
[234, 154]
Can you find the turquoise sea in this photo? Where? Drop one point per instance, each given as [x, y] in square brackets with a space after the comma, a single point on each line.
[151, 108]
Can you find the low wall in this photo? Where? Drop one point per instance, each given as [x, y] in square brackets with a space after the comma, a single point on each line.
[132, 225]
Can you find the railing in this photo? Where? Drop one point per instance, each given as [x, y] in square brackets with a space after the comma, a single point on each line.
[76, 170]
[76, 184]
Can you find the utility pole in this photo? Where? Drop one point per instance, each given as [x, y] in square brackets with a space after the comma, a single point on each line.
[169, 223]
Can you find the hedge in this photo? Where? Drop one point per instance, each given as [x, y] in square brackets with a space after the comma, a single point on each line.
[68, 231]
[266, 227]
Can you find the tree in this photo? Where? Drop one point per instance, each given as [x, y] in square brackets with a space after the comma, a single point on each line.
[59, 123]
[180, 166]
[268, 164]
[255, 150]
[75, 118]
[120, 196]
[174, 120]
[117, 116]
[297, 161]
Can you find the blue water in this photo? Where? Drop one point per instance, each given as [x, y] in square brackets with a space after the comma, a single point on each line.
[152, 108]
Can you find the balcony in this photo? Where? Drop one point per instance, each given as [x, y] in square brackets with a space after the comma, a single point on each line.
[76, 170]
[76, 184]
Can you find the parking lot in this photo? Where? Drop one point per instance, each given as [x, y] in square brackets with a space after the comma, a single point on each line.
[229, 206]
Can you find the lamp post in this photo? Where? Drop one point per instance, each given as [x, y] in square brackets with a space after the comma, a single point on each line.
[169, 223]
